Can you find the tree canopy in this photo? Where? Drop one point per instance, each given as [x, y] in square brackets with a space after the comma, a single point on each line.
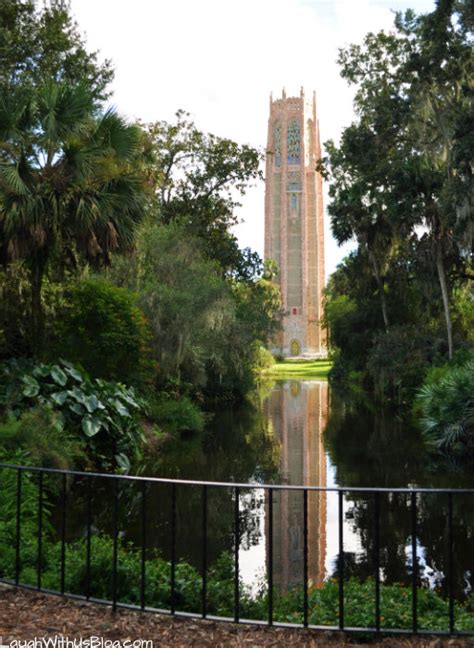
[401, 177]
[198, 178]
[38, 44]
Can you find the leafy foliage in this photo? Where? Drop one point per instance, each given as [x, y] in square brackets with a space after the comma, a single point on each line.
[447, 409]
[68, 192]
[176, 416]
[323, 602]
[101, 329]
[205, 328]
[38, 43]
[102, 414]
[16, 334]
[400, 191]
[197, 178]
[39, 433]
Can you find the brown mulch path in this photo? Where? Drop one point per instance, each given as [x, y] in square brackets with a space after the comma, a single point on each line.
[25, 614]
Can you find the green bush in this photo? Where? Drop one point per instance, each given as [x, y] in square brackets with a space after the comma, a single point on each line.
[40, 433]
[446, 404]
[16, 334]
[176, 416]
[103, 415]
[102, 330]
[264, 360]
[398, 361]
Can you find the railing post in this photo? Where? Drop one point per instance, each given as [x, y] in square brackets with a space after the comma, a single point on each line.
[236, 555]
[414, 564]
[143, 552]
[39, 566]
[270, 556]
[18, 527]
[305, 557]
[341, 559]
[115, 545]
[63, 533]
[204, 552]
[377, 558]
[451, 573]
[88, 536]
[173, 547]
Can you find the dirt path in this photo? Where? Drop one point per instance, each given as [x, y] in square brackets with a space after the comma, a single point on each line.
[26, 615]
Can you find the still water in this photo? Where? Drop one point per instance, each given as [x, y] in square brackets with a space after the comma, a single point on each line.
[299, 432]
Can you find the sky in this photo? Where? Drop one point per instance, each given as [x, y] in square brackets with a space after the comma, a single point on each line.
[220, 59]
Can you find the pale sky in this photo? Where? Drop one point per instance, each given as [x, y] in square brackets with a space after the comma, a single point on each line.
[220, 59]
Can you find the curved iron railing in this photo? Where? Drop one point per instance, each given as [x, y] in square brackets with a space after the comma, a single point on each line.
[413, 495]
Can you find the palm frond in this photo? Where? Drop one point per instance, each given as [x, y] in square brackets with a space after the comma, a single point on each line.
[10, 174]
[122, 138]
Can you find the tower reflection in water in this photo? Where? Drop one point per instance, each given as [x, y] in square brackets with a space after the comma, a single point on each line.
[297, 411]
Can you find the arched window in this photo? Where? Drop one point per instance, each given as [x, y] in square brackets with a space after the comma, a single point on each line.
[294, 143]
[295, 348]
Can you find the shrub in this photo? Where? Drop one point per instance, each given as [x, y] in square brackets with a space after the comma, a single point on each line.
[40, 433]
[103, 331]
[176, 416]
[446, 403]
[16, 334]
[102, 414]
[398, 360]
[264, 360]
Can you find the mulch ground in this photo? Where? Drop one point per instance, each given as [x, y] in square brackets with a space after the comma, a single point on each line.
[25, 615]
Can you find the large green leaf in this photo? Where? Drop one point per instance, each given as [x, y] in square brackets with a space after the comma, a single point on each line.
[31, 387]
[78, 395]
[74, 374]
[120, 408]
[41, 371]
[91, 425]
[122, 461]
[58, 376]
[91, 403]
[77, 408]
[59, 397]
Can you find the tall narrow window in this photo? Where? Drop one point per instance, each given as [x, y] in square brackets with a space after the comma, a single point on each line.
[294, 143]
[277, 144]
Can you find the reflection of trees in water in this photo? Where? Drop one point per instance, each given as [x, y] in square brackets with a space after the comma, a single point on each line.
[237, 445]
[371, 446]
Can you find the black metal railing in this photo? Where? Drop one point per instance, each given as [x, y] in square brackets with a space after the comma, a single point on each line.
[118, 483]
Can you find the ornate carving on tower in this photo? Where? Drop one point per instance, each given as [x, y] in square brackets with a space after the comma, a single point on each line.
[294, 222]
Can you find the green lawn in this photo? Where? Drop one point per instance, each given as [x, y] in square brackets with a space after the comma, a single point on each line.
[305, 369]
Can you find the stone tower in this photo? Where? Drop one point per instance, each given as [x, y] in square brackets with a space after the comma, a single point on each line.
[294, 222]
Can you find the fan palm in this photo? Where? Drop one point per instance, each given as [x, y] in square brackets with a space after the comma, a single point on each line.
[70, 184]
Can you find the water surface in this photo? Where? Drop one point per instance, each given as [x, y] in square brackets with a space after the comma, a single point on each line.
[299, 432]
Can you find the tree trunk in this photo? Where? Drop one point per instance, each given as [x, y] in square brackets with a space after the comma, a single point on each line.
[383, 302]
[37, 318]
[445, 295]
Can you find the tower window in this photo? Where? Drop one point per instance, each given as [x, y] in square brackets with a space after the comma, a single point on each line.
[293, 142]
[277, 144]
[294, 311]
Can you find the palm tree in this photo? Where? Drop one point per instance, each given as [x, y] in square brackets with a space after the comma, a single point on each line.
[70, 184]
